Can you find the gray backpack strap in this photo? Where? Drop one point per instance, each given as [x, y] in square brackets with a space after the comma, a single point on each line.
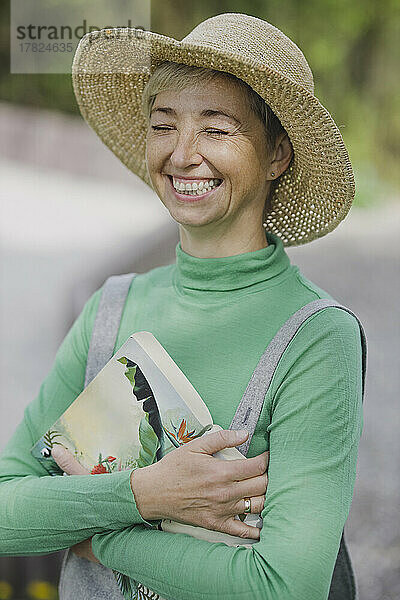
[79, 578]
[106, 324]
[343, 584]
[250, 407]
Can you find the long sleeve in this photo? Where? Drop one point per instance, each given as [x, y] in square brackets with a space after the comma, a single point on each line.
[39, 513]
[315, 407]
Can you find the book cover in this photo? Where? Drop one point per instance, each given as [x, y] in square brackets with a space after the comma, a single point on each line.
[130, 415]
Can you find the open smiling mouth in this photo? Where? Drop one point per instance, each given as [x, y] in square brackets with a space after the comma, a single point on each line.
[195, 190]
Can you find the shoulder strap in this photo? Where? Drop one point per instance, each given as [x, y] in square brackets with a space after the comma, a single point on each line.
[106, 324]
[249, 409]
[343, 584]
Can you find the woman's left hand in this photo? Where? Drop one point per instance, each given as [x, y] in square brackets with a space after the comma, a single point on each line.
[71, 466]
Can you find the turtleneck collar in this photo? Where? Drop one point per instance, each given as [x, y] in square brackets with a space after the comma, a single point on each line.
[231, 272]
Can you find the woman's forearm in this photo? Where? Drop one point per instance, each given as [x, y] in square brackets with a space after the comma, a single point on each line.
[46, 514]
[179, 567]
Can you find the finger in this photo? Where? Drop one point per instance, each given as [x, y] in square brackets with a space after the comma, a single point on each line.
[246, 468]
[239, 529]
[257, 486]
[218, 440]
[67, 462]
[257, 504]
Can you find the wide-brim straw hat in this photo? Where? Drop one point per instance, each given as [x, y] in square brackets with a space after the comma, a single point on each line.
[112, 66]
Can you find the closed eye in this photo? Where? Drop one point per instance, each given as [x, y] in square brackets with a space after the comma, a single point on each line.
[216, 132]
[210, 131]
[161, 128]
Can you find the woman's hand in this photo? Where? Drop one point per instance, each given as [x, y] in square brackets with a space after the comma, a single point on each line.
[191, 486]
[84, 550]
[71, 466]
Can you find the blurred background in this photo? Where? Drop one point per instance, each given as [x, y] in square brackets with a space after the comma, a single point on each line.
[72, 214]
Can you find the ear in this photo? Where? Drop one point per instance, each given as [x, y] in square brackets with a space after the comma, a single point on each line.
[281, 157]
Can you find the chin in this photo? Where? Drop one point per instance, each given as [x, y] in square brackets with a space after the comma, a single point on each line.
[189, 217]
[190, 222]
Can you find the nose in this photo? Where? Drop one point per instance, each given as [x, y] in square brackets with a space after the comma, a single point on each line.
[185, 152]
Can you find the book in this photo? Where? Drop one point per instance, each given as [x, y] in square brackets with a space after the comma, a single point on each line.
[138, 408]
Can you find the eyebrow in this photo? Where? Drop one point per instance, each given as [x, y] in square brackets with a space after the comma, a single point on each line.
[204, 113]
[218, 113]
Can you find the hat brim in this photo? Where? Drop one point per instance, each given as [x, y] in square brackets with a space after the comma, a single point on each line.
[110, 71]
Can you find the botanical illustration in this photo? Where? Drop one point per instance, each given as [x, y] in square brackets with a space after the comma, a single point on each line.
[130, 416]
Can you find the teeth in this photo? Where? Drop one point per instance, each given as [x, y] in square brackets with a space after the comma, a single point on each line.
[195, 188]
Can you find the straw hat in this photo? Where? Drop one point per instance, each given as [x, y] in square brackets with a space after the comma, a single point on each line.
[111, 68]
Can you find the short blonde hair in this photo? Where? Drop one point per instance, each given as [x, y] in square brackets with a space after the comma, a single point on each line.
[178, 76]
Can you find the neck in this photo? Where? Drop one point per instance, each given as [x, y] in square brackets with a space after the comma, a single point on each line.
[236, 273]
[217, 244]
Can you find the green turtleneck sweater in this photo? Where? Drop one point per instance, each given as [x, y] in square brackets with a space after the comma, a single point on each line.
[215, 317]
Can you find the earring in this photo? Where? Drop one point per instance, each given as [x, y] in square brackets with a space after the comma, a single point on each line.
[272, 174]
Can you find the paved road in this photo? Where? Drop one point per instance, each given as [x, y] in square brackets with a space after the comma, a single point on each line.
[61, 236]
[359, 265]
[59, 229]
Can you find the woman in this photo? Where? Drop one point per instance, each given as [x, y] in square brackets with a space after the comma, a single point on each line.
[246, 160]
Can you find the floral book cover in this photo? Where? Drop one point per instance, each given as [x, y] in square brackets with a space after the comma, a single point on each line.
[129, 416]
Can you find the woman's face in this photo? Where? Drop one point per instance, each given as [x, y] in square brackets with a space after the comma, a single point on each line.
[206, 142]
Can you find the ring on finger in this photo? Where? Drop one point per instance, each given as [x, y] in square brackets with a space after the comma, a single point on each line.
[247, 505]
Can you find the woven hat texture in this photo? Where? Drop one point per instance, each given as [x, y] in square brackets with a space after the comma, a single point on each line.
[112, 66]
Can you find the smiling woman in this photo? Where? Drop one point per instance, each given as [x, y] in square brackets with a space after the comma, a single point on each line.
[225, 128]
[212, 153]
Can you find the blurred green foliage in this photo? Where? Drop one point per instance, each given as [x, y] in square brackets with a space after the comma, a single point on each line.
[352, 48]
